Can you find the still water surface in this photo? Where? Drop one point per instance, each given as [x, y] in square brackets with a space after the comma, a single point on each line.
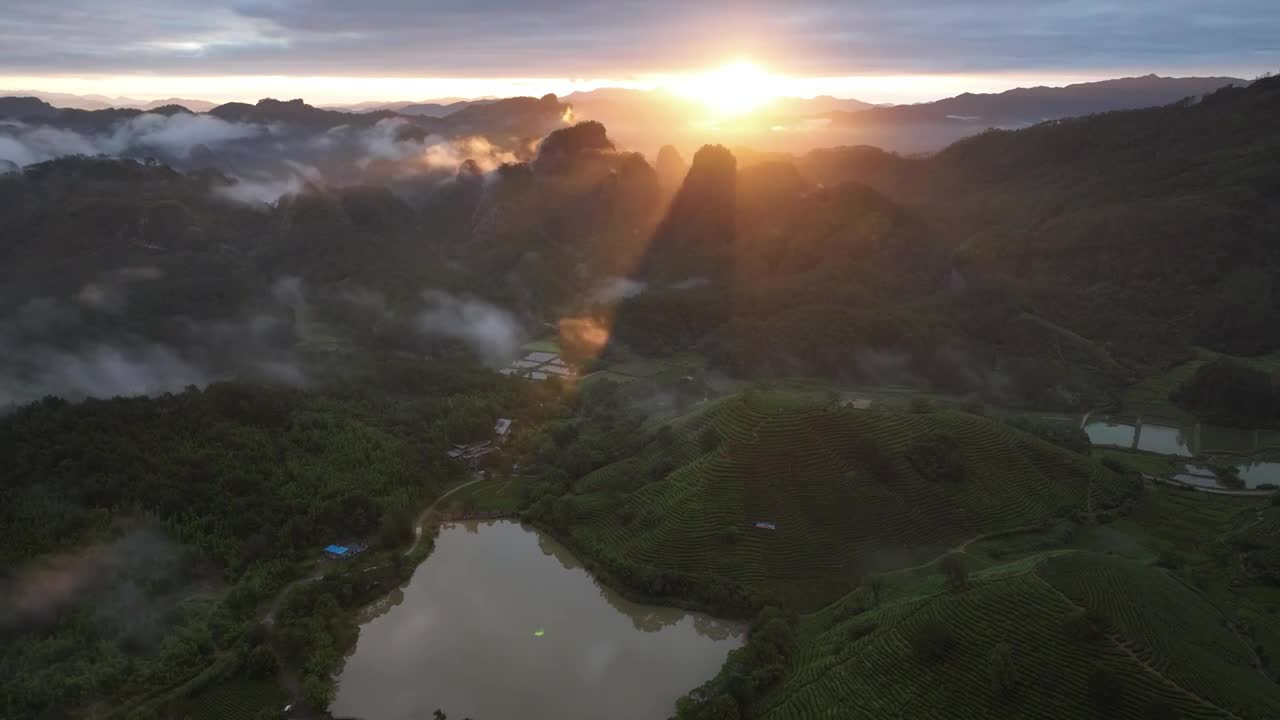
[461, 637]
[1113, 434]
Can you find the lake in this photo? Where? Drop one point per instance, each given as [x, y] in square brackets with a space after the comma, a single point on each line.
[501, 621]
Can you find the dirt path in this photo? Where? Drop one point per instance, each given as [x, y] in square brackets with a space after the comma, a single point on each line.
[420, 524]
[276, 603]
[962, 547]
[1123, 646]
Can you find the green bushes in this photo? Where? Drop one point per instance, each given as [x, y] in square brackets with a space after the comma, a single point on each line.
[1002, 668]
[1085, 625]
[749, 672]
[1231, 393]
[953, 567]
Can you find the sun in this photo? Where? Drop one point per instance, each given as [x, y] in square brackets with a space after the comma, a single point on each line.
[733, 89]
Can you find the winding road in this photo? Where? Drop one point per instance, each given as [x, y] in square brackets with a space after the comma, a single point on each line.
[418, 526]
[420, 523]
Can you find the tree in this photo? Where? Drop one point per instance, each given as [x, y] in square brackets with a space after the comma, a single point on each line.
[1085, 625]
[709, 439]
[953, 567]
[1002, 668]
[875, 583]
[262, 663]
[317, 691]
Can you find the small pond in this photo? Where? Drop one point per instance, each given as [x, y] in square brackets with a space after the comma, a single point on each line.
[502, 622]
[1259, 472]
[1108, 433]
[1164, 440]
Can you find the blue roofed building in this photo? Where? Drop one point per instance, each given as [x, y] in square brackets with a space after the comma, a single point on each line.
[337, 551]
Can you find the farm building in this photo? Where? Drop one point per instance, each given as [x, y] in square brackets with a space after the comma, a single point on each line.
[539, 366]
[472, 453]
[763, 525]
[337, 551]
[502, 427]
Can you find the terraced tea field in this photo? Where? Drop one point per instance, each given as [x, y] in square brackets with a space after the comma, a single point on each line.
[845, 492]
[1164, 647]
[241, 700]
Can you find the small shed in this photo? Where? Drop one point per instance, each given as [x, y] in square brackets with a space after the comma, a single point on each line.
[502, 427]
[337, 551]
[765, 525]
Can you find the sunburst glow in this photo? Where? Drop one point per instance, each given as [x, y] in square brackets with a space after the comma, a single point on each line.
[733, 89]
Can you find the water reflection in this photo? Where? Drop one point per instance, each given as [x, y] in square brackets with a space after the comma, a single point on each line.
[1262, 472]
[1109, 433]
[461, 637]
[1164, 440]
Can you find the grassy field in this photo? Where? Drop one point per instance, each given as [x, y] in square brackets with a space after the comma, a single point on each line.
[501, 495]
[1140, 462]
[848, 492]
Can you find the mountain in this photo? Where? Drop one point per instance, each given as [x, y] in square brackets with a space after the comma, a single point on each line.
[929, 127]
[26, 108]
[1027, 106]
[102, 102]
[819, 105]
[435, 109]
[400, 105]
[294, 112]
[1164, 214]
[196, 106]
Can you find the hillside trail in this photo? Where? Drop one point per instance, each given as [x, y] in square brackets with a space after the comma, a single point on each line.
[287, 678]
[1122, 644]
[277, 602]
[964, 546]
[420, 524]
[1254, 658]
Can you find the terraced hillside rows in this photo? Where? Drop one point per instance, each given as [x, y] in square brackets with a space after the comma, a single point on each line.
[847, 492]
[1162, 649]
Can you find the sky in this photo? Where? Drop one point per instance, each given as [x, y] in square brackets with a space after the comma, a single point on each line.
[332, 51]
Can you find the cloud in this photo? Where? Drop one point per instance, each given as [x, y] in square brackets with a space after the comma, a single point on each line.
[173, 135]
[177, 134]
[617, 288]
[106, 572]
[491, 332]
[78, 347]
[544, 38]
[259, 192]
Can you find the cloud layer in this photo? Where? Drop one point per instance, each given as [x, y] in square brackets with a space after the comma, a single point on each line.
[530, 38]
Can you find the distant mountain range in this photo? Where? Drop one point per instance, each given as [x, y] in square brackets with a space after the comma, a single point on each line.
[519, 115]
[1028, 106]
[650, 118]
[102, 102]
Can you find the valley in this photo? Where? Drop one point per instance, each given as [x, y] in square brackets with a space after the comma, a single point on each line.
[541, 429]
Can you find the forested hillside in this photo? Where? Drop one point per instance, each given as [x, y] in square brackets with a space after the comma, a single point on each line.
[1146, 230]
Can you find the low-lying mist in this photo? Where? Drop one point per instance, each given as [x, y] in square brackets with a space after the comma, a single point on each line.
[265, 161]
